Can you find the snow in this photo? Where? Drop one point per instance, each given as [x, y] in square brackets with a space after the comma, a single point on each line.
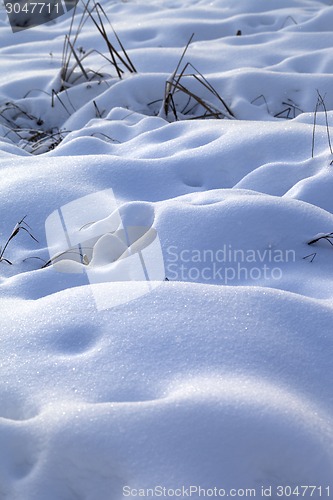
[114, 381]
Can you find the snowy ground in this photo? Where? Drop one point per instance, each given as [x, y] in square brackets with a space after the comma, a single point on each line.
[220, 377]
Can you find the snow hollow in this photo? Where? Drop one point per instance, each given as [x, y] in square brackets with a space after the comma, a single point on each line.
[166, 231]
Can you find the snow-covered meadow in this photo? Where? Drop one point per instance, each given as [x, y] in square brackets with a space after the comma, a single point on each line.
[221, 376]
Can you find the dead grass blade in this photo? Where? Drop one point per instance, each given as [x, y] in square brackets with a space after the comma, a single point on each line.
[75, 251]
[177, 84]
[320, 102]
[94, 12]
[327, 236]
[20, 226]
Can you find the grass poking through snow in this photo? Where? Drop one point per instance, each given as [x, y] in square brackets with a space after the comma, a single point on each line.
[74, 59]
[20, 226]
[194, 106]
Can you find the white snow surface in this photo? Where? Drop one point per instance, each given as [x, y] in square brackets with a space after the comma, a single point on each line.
[220, 377]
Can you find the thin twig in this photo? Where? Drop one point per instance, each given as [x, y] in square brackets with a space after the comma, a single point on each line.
[18, 227]
[327, 237]
[322, 102]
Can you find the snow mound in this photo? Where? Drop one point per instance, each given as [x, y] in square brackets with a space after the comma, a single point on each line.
[219, 376]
